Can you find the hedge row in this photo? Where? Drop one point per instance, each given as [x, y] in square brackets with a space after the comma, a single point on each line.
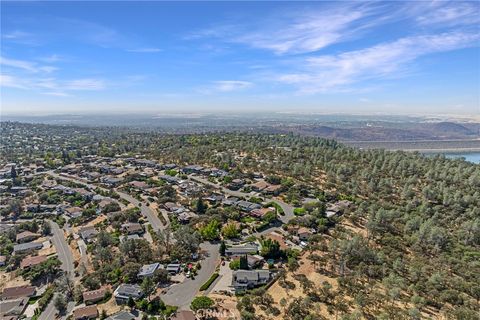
[207, 284]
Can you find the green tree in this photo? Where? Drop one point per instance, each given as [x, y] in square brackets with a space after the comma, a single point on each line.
[230, 231]
[201, 302]
[243, 262]
[60, 303]
[222, 248]
[200, 206]
[210, 231]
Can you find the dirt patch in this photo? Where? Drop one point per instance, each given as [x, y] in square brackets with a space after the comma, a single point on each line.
[110, 307]
[9, 279]
[227, 306]
[278, 292]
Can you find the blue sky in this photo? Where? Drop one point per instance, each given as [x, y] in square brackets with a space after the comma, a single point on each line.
[352, 57]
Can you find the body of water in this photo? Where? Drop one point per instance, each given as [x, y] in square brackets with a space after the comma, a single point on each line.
[471, 157]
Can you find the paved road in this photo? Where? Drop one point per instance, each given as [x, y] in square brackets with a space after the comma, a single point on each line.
[63, 250]
[287, 209]
[182, 294]
[149, 213]
[65, 256]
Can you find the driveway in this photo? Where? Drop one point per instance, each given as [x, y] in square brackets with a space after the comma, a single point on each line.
[224, 283]
[182, 294]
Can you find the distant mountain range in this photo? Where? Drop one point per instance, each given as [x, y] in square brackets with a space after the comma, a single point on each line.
[346, 128]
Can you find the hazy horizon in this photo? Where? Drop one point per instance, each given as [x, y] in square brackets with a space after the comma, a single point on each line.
[405, 58]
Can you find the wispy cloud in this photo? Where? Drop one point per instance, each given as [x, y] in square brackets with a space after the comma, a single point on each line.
[231, 85]
[17, 34]
[225, 86]
[327, 72]
[445, 13]
[302, 31]
[51, 85]
[26, 65]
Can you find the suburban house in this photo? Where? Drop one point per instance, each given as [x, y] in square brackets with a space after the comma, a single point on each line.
[138, 184]
[126, 291]
[273, 189]
[304, 233]
[74, 212]
[186, 216]
[85, 313]
[18, 292]
[27, 236]
[248, 279]
[192, 169]
[247, 206]
[230, 201]
[260, 185]
[171, 206]
[184, 315]
[122, 315]
[236, 184]
[132, 228]
[93, 296]
[259, 213]
[87, 195]
[30, 261]
[88, 233]
[13, 309]
[169, 179]
[149, 269]
[337, 208]
[112, 181]
[173, 268]
[27, 247]
[254, 261]
[239, 250]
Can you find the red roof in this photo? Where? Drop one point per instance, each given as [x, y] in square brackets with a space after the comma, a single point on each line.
[32, 261]
[18, 292]
[86, 312]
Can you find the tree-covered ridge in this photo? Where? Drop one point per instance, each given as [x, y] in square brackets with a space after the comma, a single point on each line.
[421, 214]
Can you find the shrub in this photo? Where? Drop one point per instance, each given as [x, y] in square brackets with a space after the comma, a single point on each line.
[209, 282]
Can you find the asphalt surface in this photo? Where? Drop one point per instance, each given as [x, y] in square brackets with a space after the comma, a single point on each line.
[63, 250]
[65, 256]
[147, 212]
[182, 294]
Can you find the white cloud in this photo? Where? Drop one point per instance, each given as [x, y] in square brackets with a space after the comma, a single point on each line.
[26, 65]
[450, 14]
[231, 85]
[327, 72]
[302, 31]
[51, 86]
[8, 81]
[307, 33]
[17, 34]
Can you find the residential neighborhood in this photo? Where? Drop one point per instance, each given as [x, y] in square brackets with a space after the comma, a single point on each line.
[62, 227]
